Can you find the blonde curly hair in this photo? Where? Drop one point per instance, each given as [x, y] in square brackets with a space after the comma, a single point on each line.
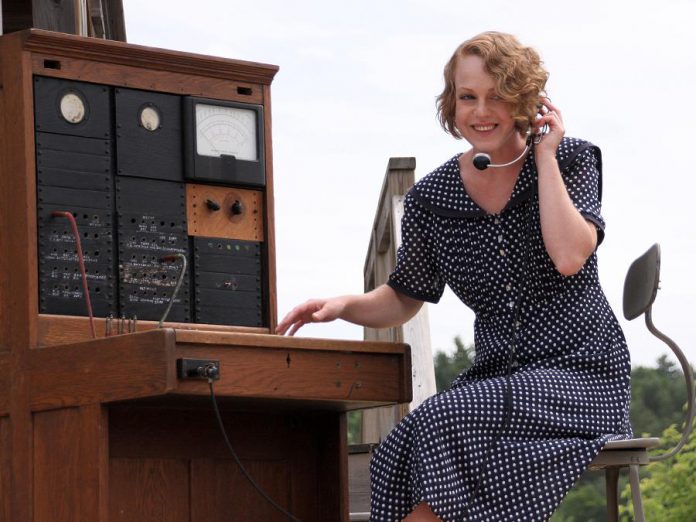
[517, 70]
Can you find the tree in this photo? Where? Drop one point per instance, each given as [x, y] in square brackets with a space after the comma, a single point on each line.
[668, 487]
[657, 397]
[448, 367]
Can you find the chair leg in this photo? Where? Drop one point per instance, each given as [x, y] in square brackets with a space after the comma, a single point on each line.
[634, 476]
[611, 478]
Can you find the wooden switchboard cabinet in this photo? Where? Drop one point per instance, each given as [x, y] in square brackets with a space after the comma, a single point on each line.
[155, 153]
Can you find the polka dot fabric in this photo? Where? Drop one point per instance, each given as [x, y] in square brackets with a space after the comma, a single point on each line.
[570, 378]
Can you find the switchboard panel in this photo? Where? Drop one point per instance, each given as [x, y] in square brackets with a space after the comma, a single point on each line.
[148, 134]
[71, 107]
[227, 280]
[74, 175]
[151, 225]
[117, 159]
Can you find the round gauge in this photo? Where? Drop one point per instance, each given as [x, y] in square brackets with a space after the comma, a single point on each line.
[72, 107]
[150, 118]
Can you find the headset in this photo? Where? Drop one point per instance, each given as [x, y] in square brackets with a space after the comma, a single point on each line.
[482, 161]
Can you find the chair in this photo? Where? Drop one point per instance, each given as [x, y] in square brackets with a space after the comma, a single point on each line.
[640, 290]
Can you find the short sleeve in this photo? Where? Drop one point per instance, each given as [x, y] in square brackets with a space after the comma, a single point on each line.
[416, 274]
[583, 181]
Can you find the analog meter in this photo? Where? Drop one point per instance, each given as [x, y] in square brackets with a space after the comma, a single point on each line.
[224, 141]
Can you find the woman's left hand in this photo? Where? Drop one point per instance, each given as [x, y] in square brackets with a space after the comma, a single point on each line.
[551, 116]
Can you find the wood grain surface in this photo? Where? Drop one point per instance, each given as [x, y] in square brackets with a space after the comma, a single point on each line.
[223, 223]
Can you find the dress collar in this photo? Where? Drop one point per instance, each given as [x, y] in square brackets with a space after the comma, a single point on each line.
[443, 192]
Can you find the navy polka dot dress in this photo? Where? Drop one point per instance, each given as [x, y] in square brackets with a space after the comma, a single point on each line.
[514, 432]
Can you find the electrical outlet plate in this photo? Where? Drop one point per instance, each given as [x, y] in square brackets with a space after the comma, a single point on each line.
[198, 369]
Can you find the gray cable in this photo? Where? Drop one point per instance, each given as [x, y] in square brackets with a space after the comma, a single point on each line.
[184, 265]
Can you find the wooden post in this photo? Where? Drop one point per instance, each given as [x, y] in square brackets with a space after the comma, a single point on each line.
[97, 18]
[380, 261]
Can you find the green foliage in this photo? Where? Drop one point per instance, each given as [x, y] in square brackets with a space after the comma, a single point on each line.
[354, 427]
[657, 396]
[586, 502]
[448, 367]
[668, 487]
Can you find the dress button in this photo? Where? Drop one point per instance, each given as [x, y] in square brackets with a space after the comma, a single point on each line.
[511, 304]
[508, 287]
[502, 252]
[500, 238]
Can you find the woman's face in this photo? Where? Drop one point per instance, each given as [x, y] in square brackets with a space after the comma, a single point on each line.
[481, 116]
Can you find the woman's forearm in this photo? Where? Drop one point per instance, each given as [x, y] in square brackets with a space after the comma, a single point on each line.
[568, 237]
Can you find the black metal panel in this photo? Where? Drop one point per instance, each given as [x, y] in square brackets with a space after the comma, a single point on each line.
[150, 303]
[226, 168]
[77, 144]
[73, 171]
[224, 298]
[227, 248]
[71, 198]
[221, 264]
[148, 197]
[88, 220]
[74, 179]
[60, 301]
[69, 160]
[229, 316]
[227, 256]
[74, 175]
[227, 282]
[57, 244]
[146, 286]
[60, 280]
[96, 99]
[153, 152]
[151, 225]
[73, 153]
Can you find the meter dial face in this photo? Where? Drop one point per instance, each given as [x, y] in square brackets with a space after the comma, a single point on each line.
[72, 107]
[226, 131]
[150, 118]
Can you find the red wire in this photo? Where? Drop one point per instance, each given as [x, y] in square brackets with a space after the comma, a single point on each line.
[81, 260]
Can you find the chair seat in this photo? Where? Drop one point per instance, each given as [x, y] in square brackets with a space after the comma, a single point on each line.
[624, 453]
[629, 444]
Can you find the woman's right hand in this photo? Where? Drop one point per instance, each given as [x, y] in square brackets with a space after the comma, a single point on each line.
[312, 311]
[382, 307]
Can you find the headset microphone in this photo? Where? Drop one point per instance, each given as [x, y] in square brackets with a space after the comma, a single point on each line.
[482, 161]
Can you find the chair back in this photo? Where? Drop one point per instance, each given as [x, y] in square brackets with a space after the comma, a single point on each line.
[640, 289]
[641, 284]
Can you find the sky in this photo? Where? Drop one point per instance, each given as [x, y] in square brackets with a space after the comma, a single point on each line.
[357, 85]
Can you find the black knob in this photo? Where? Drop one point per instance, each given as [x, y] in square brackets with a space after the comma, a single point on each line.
[237, 208]
[212, 205]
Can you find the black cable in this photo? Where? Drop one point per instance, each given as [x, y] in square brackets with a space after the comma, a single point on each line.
[239, 462]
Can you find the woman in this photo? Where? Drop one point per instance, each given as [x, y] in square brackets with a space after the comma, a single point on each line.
[550, 382]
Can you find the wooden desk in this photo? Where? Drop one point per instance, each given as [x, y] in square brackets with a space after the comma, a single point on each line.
[117, 436]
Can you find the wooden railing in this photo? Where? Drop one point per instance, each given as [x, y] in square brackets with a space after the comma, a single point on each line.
[380, 261]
